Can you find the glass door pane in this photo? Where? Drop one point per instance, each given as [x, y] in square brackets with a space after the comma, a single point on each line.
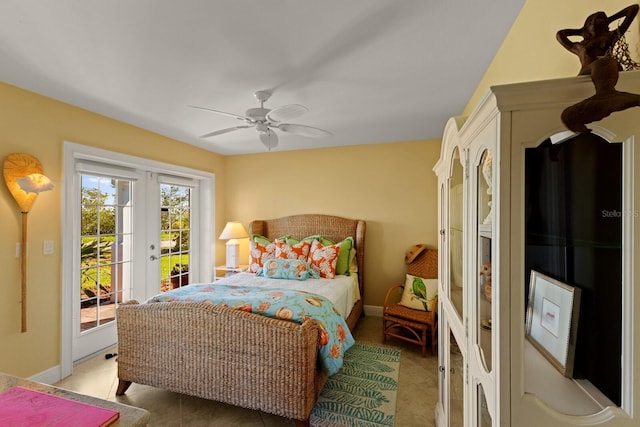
[456, 384]
[175, 235]
[484, 285]
[456, 233]
[105, 248]
[484, 417]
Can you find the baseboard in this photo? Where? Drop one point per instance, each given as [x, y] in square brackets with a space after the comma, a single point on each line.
[373, 310]
[50, 376]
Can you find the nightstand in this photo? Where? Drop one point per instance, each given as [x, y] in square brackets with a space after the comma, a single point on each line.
[221, 271]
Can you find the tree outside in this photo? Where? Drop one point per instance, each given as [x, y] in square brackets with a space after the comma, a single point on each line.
[98, 223]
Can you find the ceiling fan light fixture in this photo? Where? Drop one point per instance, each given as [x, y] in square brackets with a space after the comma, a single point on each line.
[257, 114]
[269, 139]
[267, 120]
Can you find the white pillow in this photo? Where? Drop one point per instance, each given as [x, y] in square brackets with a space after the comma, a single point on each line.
[419, 293]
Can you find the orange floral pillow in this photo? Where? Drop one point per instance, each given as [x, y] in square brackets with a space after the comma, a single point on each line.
[259, 253]
[299, 251]
[324, 258]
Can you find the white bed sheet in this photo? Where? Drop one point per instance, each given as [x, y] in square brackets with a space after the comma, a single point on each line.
[343, 291]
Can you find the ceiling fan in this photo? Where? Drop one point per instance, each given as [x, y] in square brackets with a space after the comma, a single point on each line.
[266, 121]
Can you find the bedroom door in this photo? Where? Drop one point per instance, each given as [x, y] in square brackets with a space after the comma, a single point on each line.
[132, 229]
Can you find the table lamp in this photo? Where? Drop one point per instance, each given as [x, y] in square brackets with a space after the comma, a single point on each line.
[233, 231]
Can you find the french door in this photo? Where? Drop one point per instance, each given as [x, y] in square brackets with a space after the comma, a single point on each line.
[106, 237]
[132, 229]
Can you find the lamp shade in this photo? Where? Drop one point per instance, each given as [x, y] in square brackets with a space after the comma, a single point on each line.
[233, 230]
[16, 166]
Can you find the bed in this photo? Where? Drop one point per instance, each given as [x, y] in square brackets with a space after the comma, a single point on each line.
[233, 356]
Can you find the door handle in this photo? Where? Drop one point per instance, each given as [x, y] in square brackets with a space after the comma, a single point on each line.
[153, 257]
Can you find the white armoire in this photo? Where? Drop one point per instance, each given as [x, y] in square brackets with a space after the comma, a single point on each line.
[522, 197]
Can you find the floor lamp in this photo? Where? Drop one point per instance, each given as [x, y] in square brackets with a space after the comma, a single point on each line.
[23, 176]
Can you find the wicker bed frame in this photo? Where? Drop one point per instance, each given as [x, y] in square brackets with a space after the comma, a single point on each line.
[232, 356]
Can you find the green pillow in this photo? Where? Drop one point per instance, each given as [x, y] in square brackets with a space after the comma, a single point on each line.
[260, 239]
[342, 265]
[323, 240]
[264, 241]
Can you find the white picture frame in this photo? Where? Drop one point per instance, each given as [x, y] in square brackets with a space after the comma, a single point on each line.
[553, 309]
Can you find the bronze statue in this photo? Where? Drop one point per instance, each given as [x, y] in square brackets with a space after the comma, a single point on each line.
[597, 40]
[595, 52]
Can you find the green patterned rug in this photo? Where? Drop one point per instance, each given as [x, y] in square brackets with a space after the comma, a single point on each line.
[363, 392]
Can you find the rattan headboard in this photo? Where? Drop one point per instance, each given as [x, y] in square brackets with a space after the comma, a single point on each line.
[332, 227]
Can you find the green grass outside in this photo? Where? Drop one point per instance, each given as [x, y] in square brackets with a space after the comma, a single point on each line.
[167, 262]
[90, 275]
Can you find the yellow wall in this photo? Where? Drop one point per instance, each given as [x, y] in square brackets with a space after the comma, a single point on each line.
[390, 186]
[36, 125]
[531, 52]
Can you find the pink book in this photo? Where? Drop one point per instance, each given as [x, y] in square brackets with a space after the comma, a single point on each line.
[21, 407]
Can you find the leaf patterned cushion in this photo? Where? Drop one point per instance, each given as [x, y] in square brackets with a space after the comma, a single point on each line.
[298, 251]
[259, 253]
[419, 293]
[324, 258]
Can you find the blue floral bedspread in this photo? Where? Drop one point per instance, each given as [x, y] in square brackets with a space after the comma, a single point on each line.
[287, 304]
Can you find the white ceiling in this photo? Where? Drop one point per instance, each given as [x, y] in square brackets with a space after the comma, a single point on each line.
[370, 71]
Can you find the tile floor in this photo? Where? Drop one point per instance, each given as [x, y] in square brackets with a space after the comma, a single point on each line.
[416, 399]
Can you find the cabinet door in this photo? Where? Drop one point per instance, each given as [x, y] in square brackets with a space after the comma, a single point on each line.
[482, 288]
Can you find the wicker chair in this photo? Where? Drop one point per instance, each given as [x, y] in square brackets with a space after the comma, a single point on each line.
[406, 323]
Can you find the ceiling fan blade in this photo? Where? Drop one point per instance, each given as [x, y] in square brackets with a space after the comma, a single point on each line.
[235, 116]
[269, 138]
[221, 131]
[303, 130]
[286, 112]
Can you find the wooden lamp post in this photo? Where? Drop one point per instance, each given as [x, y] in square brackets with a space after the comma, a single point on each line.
[23, 176]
